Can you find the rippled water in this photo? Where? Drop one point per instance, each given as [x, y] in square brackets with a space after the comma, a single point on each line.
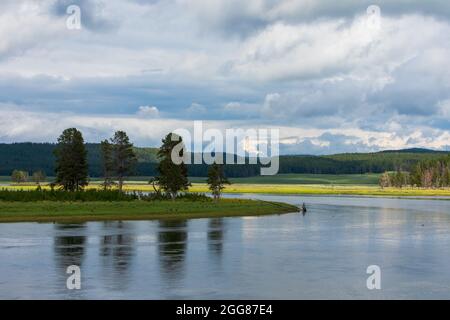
[323, 254]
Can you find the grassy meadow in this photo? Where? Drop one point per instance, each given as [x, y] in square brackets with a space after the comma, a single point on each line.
[308, 184]
[306, 179]
[325, 179]
[58, 211]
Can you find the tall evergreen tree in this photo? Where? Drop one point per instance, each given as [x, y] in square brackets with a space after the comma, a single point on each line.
[71, 161]
[216, 180]
[173, 177]
[106, 149]
[124, 158]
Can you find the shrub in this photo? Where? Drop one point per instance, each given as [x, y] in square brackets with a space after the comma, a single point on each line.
[91, 195]
[61, 195]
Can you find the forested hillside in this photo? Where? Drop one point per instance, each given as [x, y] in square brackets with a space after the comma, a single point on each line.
[39, 156]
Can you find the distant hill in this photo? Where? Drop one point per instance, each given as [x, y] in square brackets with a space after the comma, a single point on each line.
[414, 150]
[348, 163]
[39, 156]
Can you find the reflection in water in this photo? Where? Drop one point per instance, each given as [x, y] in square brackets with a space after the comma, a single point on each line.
[69, 244]
[172, 237]
[69, 249]
[215, 235]
[323, 255]
[117, 251]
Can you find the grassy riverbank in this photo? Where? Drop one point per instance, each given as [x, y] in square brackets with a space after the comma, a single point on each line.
[52, 211]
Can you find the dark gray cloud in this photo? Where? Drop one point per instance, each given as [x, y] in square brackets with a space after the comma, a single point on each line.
[417, 88]
[115, 95]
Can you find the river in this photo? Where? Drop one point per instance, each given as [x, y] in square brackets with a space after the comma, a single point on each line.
[323, 254]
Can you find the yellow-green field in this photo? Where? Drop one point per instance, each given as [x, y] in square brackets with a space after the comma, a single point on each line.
[325, 190]
[314, 189]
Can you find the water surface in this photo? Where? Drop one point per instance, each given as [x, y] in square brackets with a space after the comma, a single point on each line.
[323, 254]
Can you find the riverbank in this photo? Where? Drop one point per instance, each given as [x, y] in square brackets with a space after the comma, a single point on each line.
[56, 211]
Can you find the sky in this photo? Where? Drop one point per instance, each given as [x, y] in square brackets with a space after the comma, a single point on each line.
[332, 76]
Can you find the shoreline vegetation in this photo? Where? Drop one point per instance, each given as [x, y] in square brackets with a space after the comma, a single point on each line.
[78, 211]
[73, 196]
[70, 197]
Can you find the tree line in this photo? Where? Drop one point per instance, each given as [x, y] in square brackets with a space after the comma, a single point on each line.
[425, 174]
[32, 157]
[118, 160]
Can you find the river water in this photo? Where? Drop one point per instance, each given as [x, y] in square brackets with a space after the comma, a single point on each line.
[323, 254]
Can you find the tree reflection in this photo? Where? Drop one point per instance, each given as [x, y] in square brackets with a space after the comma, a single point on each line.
[215, 235]
[69, 244]
[172, 238]
[117, 251]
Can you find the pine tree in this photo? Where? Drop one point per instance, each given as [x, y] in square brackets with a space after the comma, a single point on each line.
[173, 177]
[106, 149]
[216, 180]
[71, 161]
[124, 158]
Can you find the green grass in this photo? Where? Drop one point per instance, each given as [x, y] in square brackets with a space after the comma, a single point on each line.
[323, 179]
[339, 179]
[49, 211]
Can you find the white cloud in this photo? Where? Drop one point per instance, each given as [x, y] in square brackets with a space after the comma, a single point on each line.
[19, 125]
[309, 67]
[148, 111]
[196, 109]
[236, 17]
[24, 25]
[241, 109]
[331, 48]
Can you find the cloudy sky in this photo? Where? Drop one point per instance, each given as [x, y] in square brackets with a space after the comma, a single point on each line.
[333, 76]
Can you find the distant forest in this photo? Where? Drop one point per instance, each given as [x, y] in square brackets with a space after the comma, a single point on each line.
[32, 157]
